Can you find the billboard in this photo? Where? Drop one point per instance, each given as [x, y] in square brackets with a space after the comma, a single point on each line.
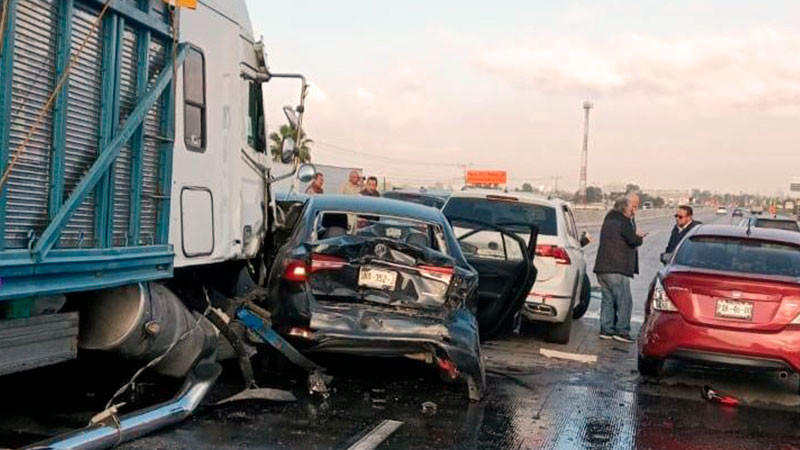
[486, 177]
[794, 188]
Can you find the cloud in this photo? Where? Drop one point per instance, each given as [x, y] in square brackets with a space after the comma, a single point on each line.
[752, 69]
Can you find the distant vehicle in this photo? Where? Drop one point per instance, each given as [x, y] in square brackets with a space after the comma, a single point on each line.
[776, 223]
[384, 278]
[737, 213]
[757, 210]
[434, 199]
[647, 205]
[562, 289]
[721, 211]
[727, 297]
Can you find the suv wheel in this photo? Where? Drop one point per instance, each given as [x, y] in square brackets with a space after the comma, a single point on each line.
[558, 333]
[583, 301]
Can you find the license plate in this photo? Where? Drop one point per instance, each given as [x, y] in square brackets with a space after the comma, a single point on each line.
[733, 309]
[377, 278]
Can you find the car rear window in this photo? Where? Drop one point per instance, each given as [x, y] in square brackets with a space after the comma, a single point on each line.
[740, 255]
[500, 212]
[427, 200]
[333, 224]
[787, 225]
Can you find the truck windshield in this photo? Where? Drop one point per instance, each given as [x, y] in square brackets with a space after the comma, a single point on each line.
[740, 255]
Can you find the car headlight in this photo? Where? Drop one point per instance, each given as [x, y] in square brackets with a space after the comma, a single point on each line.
[661, 301]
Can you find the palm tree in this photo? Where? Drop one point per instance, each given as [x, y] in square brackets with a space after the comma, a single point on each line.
[276, 143]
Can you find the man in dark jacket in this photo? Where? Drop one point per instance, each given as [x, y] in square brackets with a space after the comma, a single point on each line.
[615, 265]
[684, 222]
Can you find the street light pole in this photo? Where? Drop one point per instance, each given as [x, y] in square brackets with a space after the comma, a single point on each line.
[587, 106]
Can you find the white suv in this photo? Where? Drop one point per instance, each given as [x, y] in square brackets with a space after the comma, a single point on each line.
[562, 291]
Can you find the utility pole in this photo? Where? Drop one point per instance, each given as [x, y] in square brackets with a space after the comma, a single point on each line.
[555, 184]
[587, 106]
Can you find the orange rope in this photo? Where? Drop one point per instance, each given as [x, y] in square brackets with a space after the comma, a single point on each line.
[20, 150]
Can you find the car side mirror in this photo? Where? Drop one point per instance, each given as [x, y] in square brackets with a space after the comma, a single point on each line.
[665, 258]
[586, 239]
[494, 246]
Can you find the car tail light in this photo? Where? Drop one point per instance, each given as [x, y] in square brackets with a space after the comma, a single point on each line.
[326, 262]
[661, 301]
[296, 271]
[443, 273]
[553, 251]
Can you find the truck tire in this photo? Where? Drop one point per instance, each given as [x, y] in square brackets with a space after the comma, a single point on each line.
[649, 367]
[583, 300]
[558, 333]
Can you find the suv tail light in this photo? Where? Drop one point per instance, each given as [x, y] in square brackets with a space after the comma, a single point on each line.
[553, 251]
[661, 301]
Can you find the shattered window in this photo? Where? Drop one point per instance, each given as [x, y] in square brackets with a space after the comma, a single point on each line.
[488, 244]
[331, 224]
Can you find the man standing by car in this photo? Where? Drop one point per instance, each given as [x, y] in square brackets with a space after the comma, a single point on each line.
[353, 184]
[315, 187]
[684, 222]
[372, 188]
[615, 265]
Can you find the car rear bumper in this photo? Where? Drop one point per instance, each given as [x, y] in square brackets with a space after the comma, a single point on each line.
[546, 308]
[381, 332]
[669, 335]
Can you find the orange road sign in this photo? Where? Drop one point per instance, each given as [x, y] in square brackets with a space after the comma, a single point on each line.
[487, 177]
[191, 4]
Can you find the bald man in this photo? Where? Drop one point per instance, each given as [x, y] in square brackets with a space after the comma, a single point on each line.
[353, 184]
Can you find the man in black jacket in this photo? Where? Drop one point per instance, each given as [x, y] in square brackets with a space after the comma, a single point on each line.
[615, 265]
[684, 222]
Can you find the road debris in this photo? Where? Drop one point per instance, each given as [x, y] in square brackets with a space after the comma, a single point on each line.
[264, 394]
[720, 397]
[586, 359]
[430, 408]
[318, 384]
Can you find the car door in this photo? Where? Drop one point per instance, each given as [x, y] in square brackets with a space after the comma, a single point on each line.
[503, 259]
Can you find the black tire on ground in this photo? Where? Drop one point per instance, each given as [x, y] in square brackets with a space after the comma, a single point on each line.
[558, 333]
[650, 367]
[583, 300]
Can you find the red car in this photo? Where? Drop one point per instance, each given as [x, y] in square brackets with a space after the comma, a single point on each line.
[728, 296]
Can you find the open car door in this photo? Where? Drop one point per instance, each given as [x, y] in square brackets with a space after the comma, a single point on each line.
[504, 261]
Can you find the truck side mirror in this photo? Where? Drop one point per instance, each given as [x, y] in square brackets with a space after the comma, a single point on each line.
[288, 151]
[306, 173]
[665, 257]
[291, 116]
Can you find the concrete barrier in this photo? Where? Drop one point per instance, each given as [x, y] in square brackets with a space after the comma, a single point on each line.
[594, 217]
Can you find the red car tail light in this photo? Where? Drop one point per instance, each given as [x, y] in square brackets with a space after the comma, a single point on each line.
[296, 271]
[326, 262]
[553, 251]
[661, 301]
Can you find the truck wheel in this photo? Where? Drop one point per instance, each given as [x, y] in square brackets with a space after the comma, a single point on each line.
[583, 301]
[558, 333]
[649, 367]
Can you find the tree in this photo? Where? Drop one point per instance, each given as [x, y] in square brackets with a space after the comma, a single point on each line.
[632, 188]
[276, 143]
[594, 194]
[526, 187]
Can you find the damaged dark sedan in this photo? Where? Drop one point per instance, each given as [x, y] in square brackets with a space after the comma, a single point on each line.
[383, 278]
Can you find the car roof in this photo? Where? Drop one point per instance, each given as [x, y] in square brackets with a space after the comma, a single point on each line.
[776, 218]
[762, 234]
[524, 197]
[376, 205]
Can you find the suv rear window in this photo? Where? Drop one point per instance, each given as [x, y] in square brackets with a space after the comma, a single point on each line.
[740, 255]
[775, 224]
[500, 212]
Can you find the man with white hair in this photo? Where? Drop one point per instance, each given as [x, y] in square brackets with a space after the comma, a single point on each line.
[353, 184]
[617, 261]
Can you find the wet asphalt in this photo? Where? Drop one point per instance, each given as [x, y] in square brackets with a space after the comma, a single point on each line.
[533, 400]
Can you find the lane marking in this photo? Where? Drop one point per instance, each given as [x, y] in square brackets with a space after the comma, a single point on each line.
[376, 437]
[586, 359]
[596, 316]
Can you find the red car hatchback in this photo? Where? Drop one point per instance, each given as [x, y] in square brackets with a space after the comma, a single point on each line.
[728, 296]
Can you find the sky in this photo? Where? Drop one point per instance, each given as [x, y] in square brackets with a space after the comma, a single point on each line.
[686, 94]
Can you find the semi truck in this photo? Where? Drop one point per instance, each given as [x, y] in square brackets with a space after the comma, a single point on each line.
[135, 180]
